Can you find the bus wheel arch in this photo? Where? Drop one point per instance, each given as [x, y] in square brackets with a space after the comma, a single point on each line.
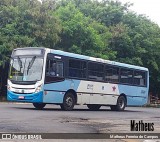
[124, 97]
[121, 103]
[69, 100]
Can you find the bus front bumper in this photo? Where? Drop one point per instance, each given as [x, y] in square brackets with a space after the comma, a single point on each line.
[32, 98]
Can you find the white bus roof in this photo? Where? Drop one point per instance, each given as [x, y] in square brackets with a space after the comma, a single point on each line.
[78, 56]
[83, 57]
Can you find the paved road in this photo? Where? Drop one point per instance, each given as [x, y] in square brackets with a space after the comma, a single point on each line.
[24, 118]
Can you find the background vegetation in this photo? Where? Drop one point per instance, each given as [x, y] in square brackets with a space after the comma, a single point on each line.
[105, 29]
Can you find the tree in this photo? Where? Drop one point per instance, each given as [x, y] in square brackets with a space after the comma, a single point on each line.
[27, 23]
[82, 34]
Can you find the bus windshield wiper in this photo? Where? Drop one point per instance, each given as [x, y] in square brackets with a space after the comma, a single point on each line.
[31, 64]
[19, 62]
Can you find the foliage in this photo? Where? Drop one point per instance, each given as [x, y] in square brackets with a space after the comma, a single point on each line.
[82, 34]
[26, 23]
[105, 29]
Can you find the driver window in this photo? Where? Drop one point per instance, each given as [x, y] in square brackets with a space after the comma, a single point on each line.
[54, 70]
[51, 68]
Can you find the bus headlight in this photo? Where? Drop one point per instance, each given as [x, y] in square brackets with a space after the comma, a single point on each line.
[38, 89]
[8, 87]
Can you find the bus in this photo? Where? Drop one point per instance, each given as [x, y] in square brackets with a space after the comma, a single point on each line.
[46, 76]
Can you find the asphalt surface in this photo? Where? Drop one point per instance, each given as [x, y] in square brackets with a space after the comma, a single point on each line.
[23, 118]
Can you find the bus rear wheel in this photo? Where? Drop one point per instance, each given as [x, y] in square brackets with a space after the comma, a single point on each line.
[121, 104]
[93, 106]
[39, 106]
[68, 102]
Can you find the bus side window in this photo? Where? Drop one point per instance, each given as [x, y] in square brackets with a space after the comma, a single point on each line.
[126, 76]
[54, 71]
[77, 68]
[95, 71]
[59, 69]
[112, 74]
[139, 78]
[47, 67]
[51, 68]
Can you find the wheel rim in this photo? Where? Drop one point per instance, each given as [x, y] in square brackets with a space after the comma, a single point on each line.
[69, 102]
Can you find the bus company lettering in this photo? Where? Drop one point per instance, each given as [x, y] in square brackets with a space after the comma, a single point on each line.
[90, 86]
[141, 126]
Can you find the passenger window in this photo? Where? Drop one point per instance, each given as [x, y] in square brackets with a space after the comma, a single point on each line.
[112, 74]
[95, 71]
[126, 76]
[139, 78]
[77, 68]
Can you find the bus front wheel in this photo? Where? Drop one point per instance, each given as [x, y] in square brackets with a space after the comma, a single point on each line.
[93, 106]
[68, 102]
[121, 104]
[39, 106]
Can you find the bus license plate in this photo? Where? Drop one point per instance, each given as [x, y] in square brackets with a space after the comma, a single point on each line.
[21, 97]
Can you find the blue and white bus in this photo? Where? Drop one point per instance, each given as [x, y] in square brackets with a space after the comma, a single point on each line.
[46, 76]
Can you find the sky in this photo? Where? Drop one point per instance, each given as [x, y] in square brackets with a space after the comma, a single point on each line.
[150, 8]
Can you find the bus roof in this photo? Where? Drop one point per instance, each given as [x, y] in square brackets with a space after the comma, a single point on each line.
[78, 56]
[83, 57]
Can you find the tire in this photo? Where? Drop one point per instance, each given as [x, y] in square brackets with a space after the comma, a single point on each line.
[39, 106]
[121, 104]
[113, 108]
[68, 102]
[94, 106]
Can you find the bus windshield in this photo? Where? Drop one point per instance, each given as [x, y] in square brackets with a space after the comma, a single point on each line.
[26, 69]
